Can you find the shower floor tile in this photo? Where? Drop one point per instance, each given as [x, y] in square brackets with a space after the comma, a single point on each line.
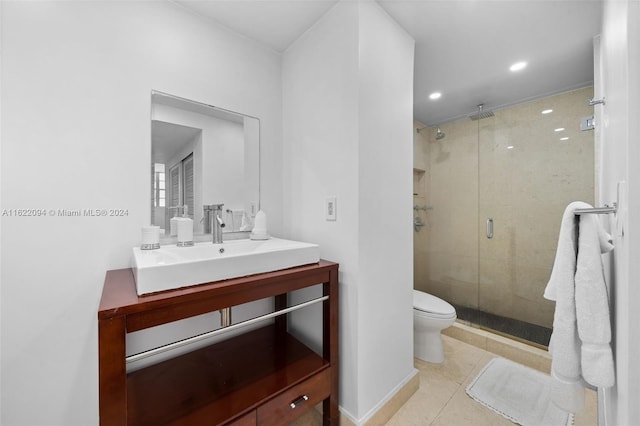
[520, 329]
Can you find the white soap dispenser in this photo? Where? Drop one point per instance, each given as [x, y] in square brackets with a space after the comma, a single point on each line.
[185, 229]
[173, 222]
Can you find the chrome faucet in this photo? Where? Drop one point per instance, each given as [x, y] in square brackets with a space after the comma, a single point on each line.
[213, 221]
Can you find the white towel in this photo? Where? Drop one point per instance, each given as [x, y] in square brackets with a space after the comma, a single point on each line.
[233, 219]
[581, 335]
[592, 303]
[245, 225]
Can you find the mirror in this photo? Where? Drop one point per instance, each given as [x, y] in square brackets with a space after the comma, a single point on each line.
[201, 155]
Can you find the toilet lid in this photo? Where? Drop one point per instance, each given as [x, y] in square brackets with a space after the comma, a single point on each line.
[429, 303]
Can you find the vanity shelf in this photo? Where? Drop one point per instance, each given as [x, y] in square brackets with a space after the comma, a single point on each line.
[250, 379]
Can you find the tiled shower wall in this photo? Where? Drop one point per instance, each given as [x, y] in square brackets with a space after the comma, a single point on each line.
[514, 168]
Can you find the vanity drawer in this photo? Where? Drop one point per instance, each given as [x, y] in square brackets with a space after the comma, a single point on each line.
[292, 403]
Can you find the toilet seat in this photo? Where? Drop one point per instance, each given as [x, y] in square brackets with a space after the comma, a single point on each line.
[430, 305]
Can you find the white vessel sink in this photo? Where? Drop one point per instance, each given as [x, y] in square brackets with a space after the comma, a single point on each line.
[171, 267]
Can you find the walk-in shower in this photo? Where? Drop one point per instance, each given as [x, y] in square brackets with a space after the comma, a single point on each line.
[495, 189]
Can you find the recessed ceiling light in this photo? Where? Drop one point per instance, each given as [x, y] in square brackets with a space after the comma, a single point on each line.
[566, 138]
[510, 147]
[518, 66]
[559, 129]
[435, 95]
[546, 111]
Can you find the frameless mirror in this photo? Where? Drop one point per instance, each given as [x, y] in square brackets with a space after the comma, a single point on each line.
[203, 155]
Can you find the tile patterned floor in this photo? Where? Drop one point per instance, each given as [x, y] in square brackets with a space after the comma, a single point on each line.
[441, 399]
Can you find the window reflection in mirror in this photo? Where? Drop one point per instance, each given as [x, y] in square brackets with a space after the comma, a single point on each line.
[202, 155]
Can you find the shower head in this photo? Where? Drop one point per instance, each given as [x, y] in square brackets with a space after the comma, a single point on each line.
[439, 133]
[481, 113]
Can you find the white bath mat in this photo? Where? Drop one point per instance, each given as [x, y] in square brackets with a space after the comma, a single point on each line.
[519, 393]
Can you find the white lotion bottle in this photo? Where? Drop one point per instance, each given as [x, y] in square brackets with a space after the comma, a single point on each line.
[185, 229]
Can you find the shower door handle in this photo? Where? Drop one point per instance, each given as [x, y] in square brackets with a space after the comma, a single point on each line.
[489, 227]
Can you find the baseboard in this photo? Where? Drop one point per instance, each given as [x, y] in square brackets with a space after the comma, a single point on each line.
[382, 412]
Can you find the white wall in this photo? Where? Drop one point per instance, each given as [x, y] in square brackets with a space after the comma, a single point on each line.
[385, 181]
[620, 133]
[348, 133]
[76, 83]
[1, 203]
[320, 112]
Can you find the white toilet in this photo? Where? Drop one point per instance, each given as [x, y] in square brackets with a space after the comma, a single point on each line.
[430, 316]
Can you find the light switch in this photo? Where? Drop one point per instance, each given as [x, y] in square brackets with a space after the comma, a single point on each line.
[330, 208]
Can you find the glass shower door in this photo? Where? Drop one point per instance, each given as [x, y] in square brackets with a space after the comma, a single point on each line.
[533, 161]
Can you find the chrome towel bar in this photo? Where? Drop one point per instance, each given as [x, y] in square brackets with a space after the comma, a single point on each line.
[203, 336]
[598, 210]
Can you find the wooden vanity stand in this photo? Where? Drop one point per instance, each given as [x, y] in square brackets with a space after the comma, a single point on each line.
[262, 377]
